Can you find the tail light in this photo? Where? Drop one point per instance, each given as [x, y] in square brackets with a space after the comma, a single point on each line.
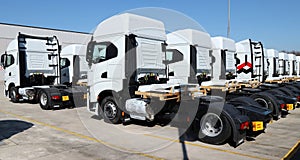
[282, 106]
[244, 125]
[298, 98]
[55, 97]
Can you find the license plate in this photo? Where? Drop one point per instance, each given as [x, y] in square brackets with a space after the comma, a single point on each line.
[84, 96]
[289, 107]
[257, 126]
[65, 98]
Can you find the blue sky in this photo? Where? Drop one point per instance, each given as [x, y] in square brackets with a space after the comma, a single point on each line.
[274, 22]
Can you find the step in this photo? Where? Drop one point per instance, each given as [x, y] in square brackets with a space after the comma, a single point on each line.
[50, 49]
[53, 65]
[257, 47]
[23, 48]
[51, 44]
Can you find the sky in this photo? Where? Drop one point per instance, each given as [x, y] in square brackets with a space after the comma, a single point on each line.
[276, 23]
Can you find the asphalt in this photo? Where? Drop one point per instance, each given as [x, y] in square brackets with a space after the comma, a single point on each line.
[28, 132]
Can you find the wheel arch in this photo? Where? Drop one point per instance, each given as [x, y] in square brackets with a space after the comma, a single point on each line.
[235, 118]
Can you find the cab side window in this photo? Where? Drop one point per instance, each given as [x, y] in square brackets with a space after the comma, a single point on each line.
[104, 51]
[9, 60]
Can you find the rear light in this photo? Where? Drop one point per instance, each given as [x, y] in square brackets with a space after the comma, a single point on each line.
[244, 125]
[298, 98]
[282, 106]
[55, 97]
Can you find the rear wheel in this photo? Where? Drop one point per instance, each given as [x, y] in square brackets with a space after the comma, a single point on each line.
[44, 100]
[266, 100]
[214, 127]
[287, 92]
[13, 94]
[110, 111]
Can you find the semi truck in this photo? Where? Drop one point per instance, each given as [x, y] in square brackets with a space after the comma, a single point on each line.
[33, 72]
[128, 79]
[210, 62]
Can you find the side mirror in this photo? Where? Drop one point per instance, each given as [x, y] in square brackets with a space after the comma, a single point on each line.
[237, 60]
[64, 62]
[164, 47]
[3, 60]
[171, 73]
[89, 52]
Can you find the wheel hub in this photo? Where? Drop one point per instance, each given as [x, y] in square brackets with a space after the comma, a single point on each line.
[43, 99]
[211, 125]
[110, 110]
[262, 102]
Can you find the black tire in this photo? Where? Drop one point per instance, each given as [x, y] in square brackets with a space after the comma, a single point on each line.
[109, 110]
[44, 100]
[287, 92]
[214, 127]
[268, 101]
[13, 94]
[294, 89]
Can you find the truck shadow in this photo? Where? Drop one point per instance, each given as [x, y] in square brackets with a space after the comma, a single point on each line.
[253, 135]
[9, 128]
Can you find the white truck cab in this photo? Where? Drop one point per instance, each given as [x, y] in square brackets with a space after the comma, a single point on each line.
[273, 58]
[76, 69]
[298, 65]
[284, 67]
[125, 53]
[30, 61]
[226, 48]
[197, 62]
[292, 65]
[250, 60]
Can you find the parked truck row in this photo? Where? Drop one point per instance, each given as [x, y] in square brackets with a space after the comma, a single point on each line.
[213, 88]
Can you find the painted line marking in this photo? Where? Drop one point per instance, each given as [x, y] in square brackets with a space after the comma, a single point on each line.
[78, 135]
[207, 147]
[291, 151]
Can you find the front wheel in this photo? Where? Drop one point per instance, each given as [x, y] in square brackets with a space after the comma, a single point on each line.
[13, 94]
[214, 127]
[44, 100]
[110, 111]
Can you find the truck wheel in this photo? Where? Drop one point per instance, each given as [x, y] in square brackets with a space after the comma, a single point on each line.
[214, 128]
[268, 101]
[13, 94]
[110, 111]
[287, 92]
[44, 100]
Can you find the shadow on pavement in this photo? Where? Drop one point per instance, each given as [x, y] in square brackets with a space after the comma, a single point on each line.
[9, 128]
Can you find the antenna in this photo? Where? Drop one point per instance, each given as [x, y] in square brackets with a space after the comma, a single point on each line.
[228, 27]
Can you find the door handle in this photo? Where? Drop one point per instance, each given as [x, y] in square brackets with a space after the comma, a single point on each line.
[104, 75]
[9, 74]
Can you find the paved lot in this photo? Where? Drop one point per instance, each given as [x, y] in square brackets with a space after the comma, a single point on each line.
[27, 132]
